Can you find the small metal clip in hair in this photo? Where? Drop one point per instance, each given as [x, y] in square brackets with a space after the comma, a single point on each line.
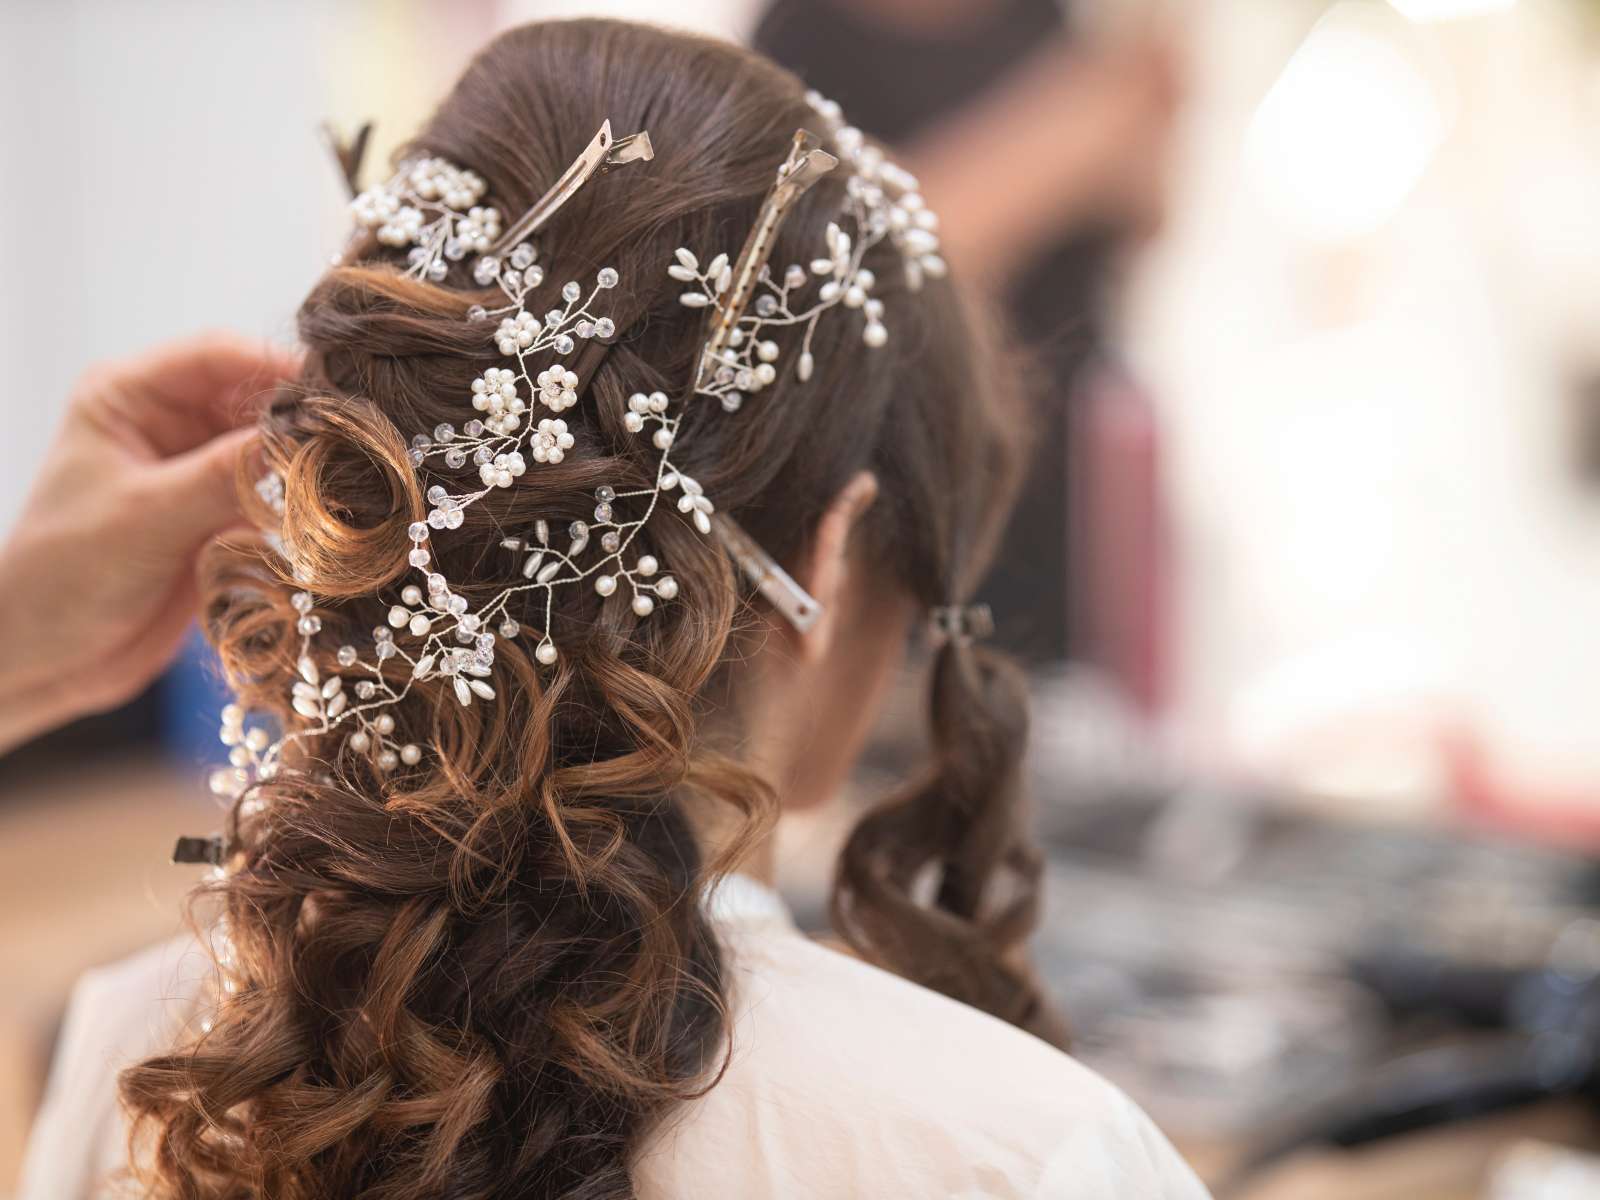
[779, 587]
[807, 163]
[602, 153]
[199, 850]
[348, 155]
[960, 623]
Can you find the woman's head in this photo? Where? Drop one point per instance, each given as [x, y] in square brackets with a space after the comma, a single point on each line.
[486, 972]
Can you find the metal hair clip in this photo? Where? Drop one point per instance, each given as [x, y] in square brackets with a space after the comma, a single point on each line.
[806, 164]
[207, 850]
[348, 155]
[960, 623]
[772, 581]
[602, 153]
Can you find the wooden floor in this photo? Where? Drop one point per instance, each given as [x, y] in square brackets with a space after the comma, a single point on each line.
[85, 878]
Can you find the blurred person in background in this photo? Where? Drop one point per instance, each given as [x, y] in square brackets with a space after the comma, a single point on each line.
[1046, 159]
[515, 936]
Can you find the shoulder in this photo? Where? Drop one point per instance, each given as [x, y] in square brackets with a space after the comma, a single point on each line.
[117, 1015]
[843, 1068]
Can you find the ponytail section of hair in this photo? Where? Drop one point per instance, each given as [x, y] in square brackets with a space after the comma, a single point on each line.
[940, 883]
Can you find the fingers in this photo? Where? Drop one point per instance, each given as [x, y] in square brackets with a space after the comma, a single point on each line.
[196, 494]
[177, 396]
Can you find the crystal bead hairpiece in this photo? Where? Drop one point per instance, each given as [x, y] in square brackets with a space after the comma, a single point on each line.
[435, 210]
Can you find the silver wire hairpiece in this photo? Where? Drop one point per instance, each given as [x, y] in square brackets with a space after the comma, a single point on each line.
[434, 210]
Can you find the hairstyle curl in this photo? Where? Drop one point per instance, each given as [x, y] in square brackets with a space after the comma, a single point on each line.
[488, 974]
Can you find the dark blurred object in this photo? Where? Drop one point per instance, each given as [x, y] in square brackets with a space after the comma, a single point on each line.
[176, 715]
[896, 81]
[1586, 428]
[136, 724]
[1249, 972]
[1121, 623]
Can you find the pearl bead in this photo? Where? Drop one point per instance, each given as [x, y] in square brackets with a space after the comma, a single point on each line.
[605, 584]
[546, 653]
[387, 761]
[662, 439]
[647, 565]
[642, 605]
[384, 724]
[411, 594]
[360, 742]
[410, 755]
[875, 335]
[420, 625]
[398, 616]
[667, 587]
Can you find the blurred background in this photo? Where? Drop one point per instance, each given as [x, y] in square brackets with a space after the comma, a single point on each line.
[1307, 571]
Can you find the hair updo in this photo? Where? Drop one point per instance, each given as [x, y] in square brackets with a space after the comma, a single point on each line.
[486, 974]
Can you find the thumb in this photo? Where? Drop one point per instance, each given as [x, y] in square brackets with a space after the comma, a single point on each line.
[198, 491]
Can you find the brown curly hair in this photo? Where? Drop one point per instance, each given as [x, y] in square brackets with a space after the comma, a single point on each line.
[488, 974]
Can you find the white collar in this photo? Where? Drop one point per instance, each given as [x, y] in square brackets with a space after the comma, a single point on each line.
[742, 900]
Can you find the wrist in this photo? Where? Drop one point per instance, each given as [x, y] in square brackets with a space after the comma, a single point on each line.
[32, 698]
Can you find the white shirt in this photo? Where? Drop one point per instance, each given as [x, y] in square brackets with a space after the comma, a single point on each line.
[844, 1081]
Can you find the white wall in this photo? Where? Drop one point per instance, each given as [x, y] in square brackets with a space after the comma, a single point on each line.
[161, 176]
[1381, 537]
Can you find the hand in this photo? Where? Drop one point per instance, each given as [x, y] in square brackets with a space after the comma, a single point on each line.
[1070, 137]
[99, 568]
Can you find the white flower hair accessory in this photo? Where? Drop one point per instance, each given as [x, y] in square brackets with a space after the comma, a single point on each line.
[437, 210]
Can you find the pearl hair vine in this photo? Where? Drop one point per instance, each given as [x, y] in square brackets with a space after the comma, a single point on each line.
[436, 212]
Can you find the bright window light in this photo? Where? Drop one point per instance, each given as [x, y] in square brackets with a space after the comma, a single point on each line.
[1449, 10]
[1344, 135]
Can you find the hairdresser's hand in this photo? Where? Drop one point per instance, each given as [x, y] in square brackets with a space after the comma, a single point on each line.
[97, 576]
[1072, 138]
